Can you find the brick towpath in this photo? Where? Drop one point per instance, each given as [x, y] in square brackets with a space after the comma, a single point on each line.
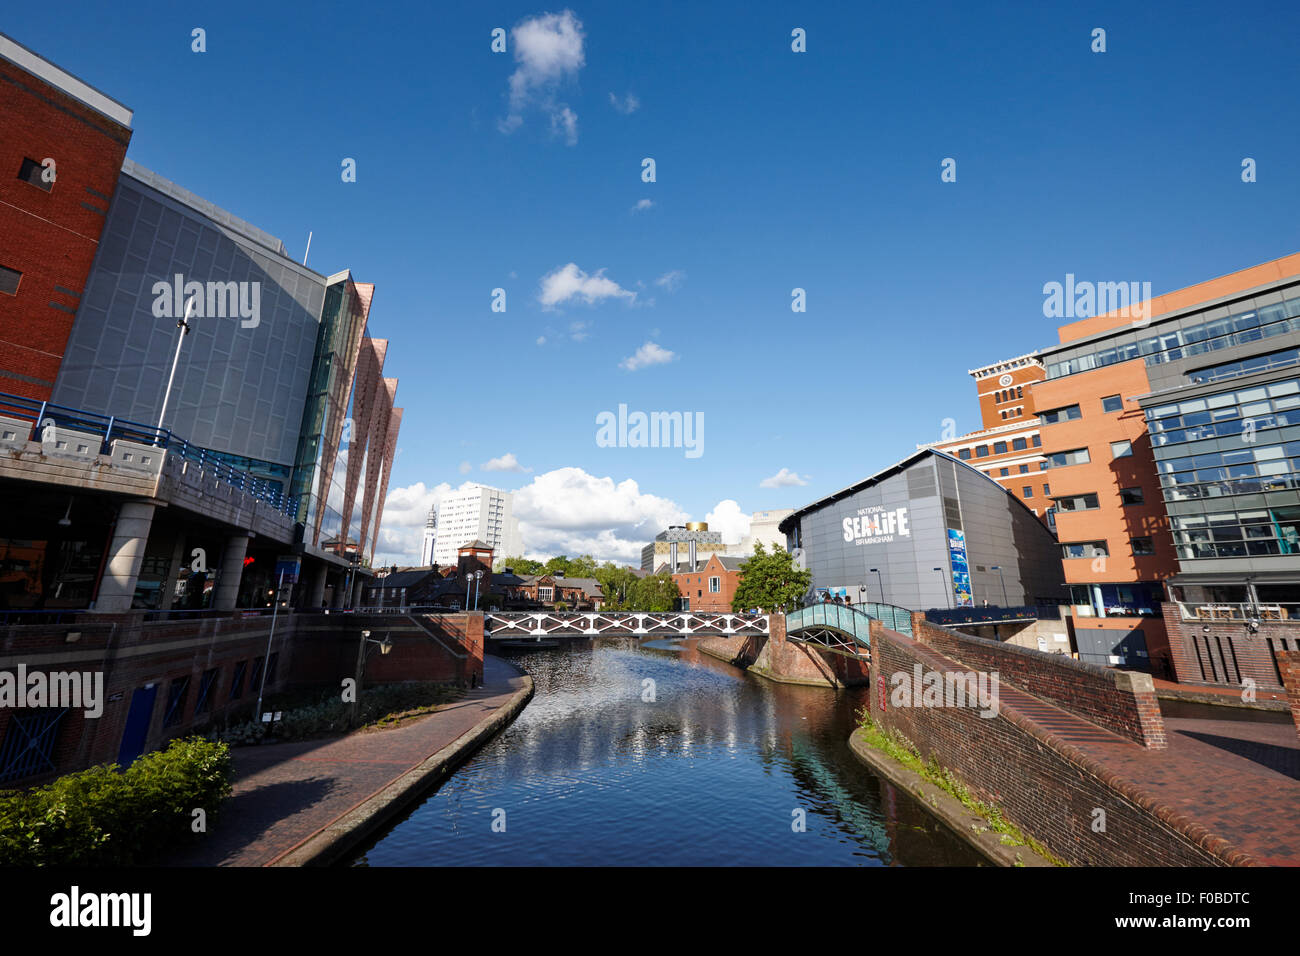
[285, 793]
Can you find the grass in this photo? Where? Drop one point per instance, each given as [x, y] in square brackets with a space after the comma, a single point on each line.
[895, 745]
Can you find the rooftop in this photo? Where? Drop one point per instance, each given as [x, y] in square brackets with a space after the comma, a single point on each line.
[60, 79]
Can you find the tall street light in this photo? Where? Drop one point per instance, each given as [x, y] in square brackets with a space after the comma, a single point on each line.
[184, 325]
[998, 569]
[478, 576]
[876, 572]
[384, 646]
[943, 583]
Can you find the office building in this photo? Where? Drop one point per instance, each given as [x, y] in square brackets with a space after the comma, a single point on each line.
[765, 527]
[476, 513]
[684, 542]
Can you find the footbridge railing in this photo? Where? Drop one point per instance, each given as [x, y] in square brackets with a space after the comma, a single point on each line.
[845, 628]
[519, 625]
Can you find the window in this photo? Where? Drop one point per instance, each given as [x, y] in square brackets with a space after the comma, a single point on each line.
[1112, 403]
[237, 681]
[1060, 459]
[1084, 549]
[270, 667]
[715, 585]
[1054, 415]
[9, 279]
[545, 594]
[1020, 391]
[1047, 490]
[1085, 502]
[33, 172]
[176, 701]
[1130, 496]
[1018, 444]
[1005, 472]
[255, 680]
[206, 683]
[1000, 448]
[1142, 545]
[963, 454]
[1027, 491]
[1024, 469]
[1121, 449]
[1004, 415]
[1038, 441]
[981, 451]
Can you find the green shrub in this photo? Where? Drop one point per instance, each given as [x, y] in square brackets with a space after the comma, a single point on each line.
[329, 715]
[106, 816]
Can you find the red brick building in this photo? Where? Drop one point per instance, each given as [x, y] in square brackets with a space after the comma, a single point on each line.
[711, 586]
[60, 156]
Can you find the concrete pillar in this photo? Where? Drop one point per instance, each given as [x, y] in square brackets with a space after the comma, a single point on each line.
[232, 571]
[357, 581]
[125, 553]
[173, 571]
[341, 579]
[317, 596]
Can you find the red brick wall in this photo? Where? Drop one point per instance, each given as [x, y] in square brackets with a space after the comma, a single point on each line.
[50, 237]
[1288, 662]
[1121, 701]
[1043, 784]
[1227, 653]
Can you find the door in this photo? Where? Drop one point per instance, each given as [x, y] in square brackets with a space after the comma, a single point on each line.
[137, 724]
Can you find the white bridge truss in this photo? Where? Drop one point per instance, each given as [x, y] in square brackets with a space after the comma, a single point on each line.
[538, 624]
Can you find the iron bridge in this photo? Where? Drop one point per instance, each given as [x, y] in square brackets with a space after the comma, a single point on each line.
[536, 625]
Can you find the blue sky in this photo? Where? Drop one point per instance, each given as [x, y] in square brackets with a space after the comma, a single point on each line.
[775, 170]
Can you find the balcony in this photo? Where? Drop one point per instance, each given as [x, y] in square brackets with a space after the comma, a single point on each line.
[1241, 613]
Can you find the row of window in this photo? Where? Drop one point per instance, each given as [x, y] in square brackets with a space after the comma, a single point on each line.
[1139, 546]
[178, 692]
[1006, 472]
[1235, 534]
[1000, 448]
[1017, 412]
[1242, 412]
[1068, 413]
[1009, 394]
[1175, 344]
[1238, 463]
[1246, 366]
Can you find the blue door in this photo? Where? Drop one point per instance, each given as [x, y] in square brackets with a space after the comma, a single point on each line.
[137, 724]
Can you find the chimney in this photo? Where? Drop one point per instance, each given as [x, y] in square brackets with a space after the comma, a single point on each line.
[672, 558]
[692, 554]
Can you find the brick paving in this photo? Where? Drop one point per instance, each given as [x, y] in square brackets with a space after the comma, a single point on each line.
[283, 793]
[1240, 779]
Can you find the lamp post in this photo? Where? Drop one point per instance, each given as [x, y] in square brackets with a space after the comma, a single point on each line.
[881, 582]
[257, 714]
[478, 576]
[184, 325]
[943, 583]
[384, 646]
[998, 569]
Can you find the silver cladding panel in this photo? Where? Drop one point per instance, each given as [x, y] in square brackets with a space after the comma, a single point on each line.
[238, 390]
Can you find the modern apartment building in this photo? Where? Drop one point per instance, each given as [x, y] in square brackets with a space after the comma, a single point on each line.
[1169, 447]
[476, 512]
[62, 146]
[687, 542]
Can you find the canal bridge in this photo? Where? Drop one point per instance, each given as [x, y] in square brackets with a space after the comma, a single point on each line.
[539, 625]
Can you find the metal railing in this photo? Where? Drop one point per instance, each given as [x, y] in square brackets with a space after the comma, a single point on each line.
[1222, 611]
[109, 428]
[946, 617]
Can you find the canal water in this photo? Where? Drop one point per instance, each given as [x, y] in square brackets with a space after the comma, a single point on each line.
[658, 755]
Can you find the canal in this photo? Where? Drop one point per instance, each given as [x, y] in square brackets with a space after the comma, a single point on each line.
[658, 755]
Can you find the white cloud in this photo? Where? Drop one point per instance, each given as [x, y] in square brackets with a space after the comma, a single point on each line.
[548, 49]
[648, 354]
[642, 205]
[672, 281]
[727, 517]
[506, 462]
[401, 532]
[465, 468]
[578, 330]
[567, 511]
[541, 340]
[569, 282]
[783, 479]
[627, 105]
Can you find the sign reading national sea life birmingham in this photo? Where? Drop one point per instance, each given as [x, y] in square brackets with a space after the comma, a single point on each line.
[874, 524]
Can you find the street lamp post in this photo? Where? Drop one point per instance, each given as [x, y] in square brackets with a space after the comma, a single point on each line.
[478, 576]
[184, 325]
[881, 582]
[998, 569]
[384, 646]
[257, 714]
[943, 583]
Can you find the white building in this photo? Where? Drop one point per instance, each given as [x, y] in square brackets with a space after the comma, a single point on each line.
[475, 512]
[430, 532]
[763, 527]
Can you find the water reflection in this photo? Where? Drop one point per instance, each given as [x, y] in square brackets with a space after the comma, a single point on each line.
[656, 754]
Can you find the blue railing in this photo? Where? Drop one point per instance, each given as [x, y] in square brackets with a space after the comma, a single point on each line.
[110, 428]
[947, 616]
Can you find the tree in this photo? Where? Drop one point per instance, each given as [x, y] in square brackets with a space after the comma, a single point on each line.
[519, 565]
[654, 592]
[770, 582]
[616, 584]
